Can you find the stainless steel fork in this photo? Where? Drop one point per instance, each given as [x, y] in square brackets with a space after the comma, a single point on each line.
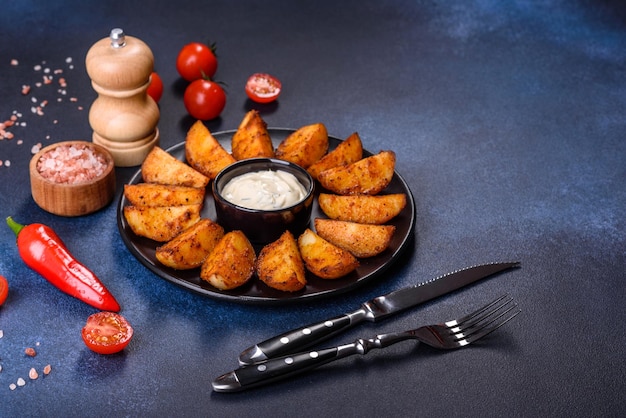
[449, 335]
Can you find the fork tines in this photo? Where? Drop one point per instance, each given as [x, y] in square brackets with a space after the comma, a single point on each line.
[483, 321]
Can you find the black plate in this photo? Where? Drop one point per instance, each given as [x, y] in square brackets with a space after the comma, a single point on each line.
[255, 291]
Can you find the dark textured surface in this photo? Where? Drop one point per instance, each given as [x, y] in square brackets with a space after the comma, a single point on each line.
[508, 119]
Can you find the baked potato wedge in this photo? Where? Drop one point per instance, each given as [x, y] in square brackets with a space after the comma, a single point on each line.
[231, 263]
[369, 175]
[161, 223]
[347, 152]
[324, 259]
[362, 240]
[252, 139]
[280, 266]
[366, 209]
[204, 153]
[191, 247]
[152, 194]
[161, 167]
[304, 146]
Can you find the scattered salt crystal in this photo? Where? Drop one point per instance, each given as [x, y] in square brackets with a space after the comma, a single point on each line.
[14, 62]
[1, 333]
[12, 386]
[47, 369]
[68, 60]
[36, 148]
[37, 67]
[21, 382]
[32, 374]
[7, 163]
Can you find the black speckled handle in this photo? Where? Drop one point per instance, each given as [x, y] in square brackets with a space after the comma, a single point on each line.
[298, 339]
[280, 368]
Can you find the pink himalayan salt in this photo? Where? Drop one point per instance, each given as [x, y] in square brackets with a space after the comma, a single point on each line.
[72, 164]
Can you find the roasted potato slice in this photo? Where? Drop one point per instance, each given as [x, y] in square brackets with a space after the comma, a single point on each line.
[161, 167]
[305, 146]
[231, 263]
[347, 152]
[204, 152]
[366, 209]
[191, 247]
[152, 194]
[362, 240]
[280, 265]
[161, 223]
[252, 139]
[324, 259]
[369, 175]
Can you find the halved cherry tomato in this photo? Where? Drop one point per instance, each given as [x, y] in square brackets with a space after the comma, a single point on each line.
[155, 88]
[196, 60]
[204, 99]
[107, 332]
[263, 88]
[4, 289]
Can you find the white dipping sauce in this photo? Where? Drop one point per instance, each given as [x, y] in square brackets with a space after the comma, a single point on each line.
[265, 190]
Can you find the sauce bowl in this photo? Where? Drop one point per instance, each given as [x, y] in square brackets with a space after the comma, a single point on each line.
[263, 226]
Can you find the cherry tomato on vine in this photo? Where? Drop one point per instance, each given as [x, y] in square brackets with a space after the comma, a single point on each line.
[263, 88]
[155, 88]
[204, 99]
[107, 332]
[4, 289]
[196, 60]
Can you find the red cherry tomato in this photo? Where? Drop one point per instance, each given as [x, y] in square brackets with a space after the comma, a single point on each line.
[196, 61]
[107, 332]
[4, 289]
[204, 99]
[155, 88]
[263, 88]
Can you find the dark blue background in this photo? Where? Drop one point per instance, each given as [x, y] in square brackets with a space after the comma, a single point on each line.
[508, 120]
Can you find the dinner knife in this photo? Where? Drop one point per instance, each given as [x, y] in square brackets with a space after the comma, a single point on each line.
[373, 310]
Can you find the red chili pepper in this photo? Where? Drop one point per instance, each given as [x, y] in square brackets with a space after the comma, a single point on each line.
[43, 251]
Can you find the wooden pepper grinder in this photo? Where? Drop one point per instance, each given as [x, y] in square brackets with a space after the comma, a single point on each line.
[123, 117]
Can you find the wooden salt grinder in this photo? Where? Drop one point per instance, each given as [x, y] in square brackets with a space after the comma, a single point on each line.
[123, 117]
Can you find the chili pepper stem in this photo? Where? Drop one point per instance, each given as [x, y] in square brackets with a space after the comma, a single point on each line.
[15, 227]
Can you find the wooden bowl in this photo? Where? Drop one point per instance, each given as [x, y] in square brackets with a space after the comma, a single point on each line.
[64, 198]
